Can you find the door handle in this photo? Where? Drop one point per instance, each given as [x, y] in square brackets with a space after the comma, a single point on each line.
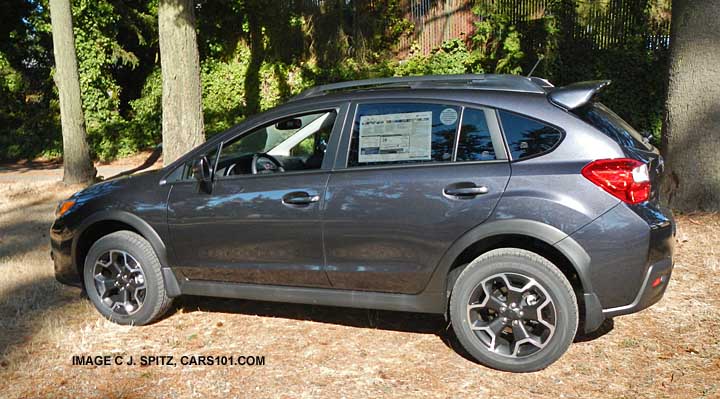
[299, 198]
[464, 190]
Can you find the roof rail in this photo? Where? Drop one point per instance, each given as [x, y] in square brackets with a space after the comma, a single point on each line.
[544, 83]
[498, 82]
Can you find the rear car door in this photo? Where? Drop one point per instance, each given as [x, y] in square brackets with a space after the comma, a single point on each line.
[261, 226]
[410, 178]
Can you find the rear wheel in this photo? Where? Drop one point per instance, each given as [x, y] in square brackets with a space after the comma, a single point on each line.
[513, 310]
[123, 279]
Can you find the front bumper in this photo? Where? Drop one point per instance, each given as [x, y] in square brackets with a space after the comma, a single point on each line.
[61, 239]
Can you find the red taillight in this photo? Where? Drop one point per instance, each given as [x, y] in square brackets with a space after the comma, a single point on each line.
[627, 179]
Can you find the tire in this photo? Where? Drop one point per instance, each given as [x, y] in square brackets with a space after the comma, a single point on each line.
[534, 327]
[119, 267]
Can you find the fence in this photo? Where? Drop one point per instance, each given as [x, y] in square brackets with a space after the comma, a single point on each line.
[601, 24]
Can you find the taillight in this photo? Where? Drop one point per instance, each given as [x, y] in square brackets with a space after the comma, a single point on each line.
[626, 179]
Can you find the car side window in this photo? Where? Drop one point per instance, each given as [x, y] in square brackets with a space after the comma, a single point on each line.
[187, 171]
[527, 137]
[475, 142]
[297, 142]
[403, 133]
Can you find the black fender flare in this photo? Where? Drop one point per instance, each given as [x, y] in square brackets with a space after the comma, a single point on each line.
[551, 235]
[144, 229]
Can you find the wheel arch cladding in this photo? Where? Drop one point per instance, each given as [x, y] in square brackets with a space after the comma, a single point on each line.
[542, 239]
[104, 223]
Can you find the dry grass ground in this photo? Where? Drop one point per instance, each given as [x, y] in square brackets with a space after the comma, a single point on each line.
[670, 350]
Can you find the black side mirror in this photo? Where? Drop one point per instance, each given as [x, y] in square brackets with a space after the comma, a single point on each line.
[203, 174]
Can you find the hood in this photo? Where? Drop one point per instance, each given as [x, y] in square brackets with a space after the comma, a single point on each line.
[139, 181]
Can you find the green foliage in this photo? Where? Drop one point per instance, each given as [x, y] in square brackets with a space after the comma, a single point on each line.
[638, 88]
[495, 47]
[452, 57]
[223, 92]
[101, 58]
[28, 114]
[379, 26]
[254, 56]
[224, 95]
[496, 42]
[638, 74]
[21, 118]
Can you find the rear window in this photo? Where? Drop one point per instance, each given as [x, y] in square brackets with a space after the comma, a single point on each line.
[527, 137]
[602, 118]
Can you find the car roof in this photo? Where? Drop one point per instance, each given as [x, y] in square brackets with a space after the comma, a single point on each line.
[510, 83]
[567, 97]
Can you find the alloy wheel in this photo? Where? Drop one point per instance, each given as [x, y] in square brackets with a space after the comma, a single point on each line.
[512, 314]
[120, 282]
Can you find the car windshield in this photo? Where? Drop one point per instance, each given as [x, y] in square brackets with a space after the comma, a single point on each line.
[602, 118]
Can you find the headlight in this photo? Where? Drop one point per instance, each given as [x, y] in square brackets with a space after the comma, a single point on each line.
[63, 207]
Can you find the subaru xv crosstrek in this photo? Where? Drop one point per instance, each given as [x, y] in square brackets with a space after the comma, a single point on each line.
[521, 211]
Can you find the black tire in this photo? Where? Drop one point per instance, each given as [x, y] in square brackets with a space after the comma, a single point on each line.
[481, 343]
[155, 301]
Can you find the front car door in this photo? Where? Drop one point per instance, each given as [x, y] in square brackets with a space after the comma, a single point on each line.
[260, 222]
[410, 179]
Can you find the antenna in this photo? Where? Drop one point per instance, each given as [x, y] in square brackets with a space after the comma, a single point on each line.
[540, 58]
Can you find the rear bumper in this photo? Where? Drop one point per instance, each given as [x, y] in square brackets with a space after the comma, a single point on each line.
[652, 290]
[660, 263]
[630, 251]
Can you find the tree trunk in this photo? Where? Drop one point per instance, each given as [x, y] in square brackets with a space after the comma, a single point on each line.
[692, 137]
[257, 56]
[77, 166]
[182, 117]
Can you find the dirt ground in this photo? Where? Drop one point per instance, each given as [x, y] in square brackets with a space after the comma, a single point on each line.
[670, 350]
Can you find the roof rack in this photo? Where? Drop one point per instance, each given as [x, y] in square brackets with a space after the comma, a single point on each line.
[479, 81]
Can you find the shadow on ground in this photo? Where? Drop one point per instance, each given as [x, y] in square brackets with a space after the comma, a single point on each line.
[420, 323]
[28, 166]
[22, 305]
[23, 237]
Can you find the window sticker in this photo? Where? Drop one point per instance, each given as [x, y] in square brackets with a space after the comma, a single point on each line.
[395, 137]
[448, 116]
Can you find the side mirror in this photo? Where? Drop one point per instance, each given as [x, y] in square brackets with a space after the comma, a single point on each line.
[203, 174]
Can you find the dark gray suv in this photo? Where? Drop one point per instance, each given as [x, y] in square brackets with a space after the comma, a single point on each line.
[517, 209]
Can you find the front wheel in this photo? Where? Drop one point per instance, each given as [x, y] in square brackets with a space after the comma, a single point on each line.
[513, 310]
[123, 279]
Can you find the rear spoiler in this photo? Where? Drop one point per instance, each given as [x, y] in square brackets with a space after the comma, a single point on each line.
[577, 94]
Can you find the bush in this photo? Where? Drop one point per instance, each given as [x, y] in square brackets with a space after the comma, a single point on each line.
[301, 44]
[493, 48]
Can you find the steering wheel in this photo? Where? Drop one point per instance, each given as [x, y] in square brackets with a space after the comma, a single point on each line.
[265, 163]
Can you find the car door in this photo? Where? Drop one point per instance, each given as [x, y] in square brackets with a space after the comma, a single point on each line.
[259, 228]
[407, 188]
